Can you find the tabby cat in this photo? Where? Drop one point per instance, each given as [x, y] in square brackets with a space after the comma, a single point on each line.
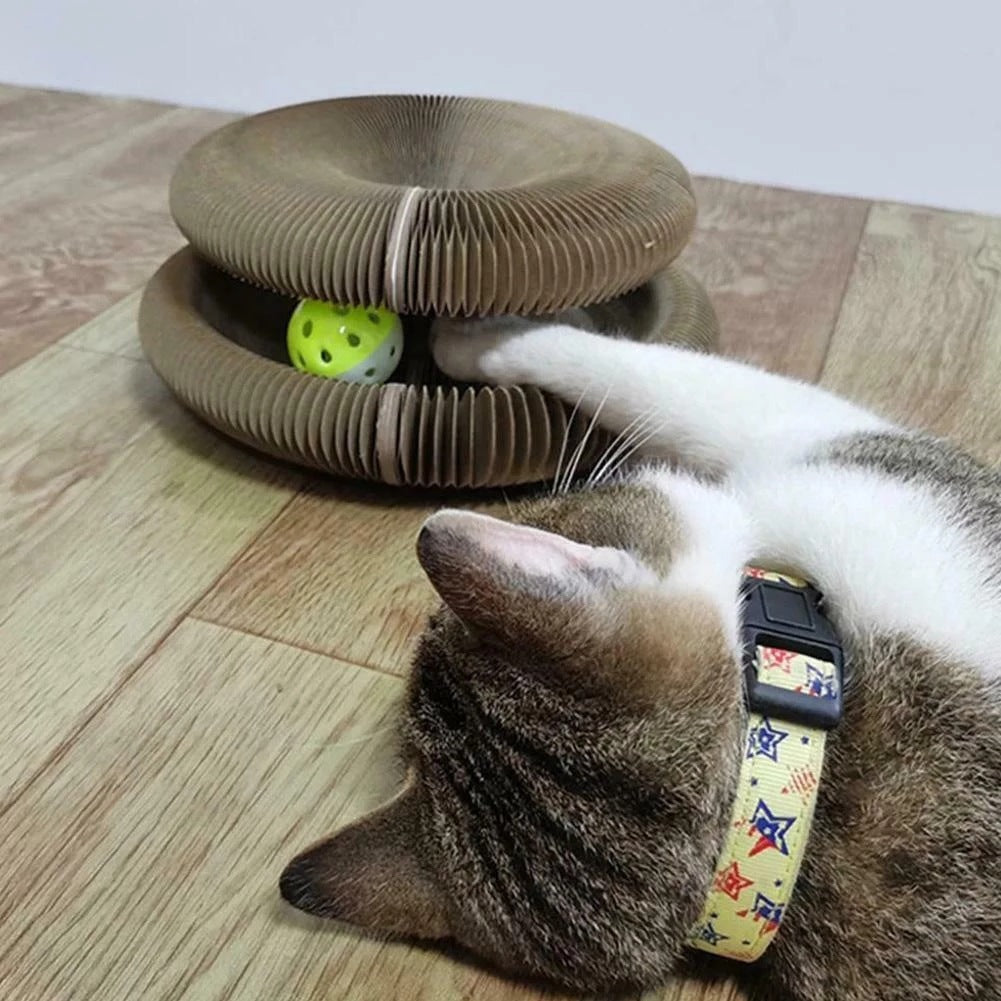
[575, 721]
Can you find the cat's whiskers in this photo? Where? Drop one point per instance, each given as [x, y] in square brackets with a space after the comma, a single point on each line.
[639, 443]
[566, 439]
[615, 444]
[578, 452]
[628, 444]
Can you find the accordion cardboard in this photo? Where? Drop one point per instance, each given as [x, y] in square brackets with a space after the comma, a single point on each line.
[430, 206]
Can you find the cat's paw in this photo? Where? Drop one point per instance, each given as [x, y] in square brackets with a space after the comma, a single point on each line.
[494, 350]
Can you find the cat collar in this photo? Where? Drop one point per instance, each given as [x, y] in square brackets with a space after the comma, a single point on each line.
[793, 680]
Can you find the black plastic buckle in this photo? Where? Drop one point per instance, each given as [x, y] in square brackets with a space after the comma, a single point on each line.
[779, 615]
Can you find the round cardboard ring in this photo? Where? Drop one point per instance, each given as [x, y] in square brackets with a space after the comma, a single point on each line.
[219, 344]
[440, 205]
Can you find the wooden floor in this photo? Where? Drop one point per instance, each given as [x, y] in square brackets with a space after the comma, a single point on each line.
[202, 651]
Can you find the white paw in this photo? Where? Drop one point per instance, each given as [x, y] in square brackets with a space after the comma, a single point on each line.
[491, 350]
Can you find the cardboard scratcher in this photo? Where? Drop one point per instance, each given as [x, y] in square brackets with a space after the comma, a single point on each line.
[218, 342]
[443, 205]
[429, 206]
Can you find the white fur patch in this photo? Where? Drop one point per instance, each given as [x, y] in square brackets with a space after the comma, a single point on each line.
[713, 413]
[889, 556]
[717, 542]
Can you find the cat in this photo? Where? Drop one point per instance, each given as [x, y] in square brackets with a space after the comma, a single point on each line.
[575, 721]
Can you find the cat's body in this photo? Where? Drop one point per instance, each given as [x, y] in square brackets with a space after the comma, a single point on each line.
[576, 718]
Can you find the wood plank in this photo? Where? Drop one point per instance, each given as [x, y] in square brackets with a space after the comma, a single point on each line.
[145, 862]
[39, 128]
[775, 263]
[919, 337]
[87, 229]
[113, 332]
[117, 511]
[337, 573]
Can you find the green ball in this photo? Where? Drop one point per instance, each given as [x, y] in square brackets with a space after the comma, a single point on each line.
[351, 343]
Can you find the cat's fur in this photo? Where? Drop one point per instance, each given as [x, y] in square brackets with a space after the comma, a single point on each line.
[575, 720]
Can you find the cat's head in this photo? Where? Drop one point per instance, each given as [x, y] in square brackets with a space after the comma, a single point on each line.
[570, 732]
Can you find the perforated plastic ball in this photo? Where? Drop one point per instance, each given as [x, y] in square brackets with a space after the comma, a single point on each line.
[352, 343]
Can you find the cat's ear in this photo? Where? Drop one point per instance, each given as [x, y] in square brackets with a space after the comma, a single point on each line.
[515, 581]
[370, 874]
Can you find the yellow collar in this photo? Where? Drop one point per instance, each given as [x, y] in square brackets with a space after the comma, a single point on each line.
[793, 676]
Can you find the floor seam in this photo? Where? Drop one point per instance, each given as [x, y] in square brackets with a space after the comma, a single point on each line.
[303, 647]
[130, 672]
[97, 351]
[818, 378]
[60, 341]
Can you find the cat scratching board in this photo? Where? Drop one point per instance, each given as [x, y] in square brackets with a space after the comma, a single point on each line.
[429, 206]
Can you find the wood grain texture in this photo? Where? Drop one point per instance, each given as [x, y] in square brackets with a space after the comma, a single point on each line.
[39, 128]
[157, 770]
[337, 572]
[82, 230]
[146, 863]
[919, 337]
[112, 332]
[117, 512]
[775, 263]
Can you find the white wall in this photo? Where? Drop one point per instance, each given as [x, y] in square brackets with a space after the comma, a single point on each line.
[887, 98]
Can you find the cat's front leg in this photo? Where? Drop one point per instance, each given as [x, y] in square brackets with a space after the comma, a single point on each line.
[561, 359]
[711, 413]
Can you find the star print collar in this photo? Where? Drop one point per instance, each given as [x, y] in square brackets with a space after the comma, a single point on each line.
[794, 672]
